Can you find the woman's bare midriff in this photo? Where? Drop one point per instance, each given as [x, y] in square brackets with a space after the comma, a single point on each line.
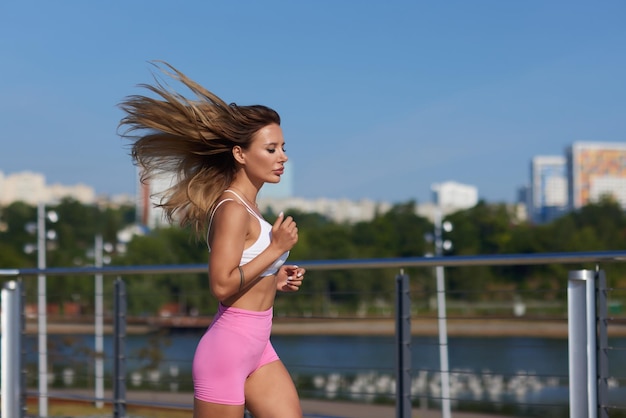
[259, 297]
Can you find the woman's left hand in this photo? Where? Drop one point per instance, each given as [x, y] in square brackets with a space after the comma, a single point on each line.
[289, 278]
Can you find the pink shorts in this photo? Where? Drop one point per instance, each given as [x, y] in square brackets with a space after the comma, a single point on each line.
[236, 344]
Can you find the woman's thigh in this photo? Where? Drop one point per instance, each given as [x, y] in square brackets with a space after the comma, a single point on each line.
[202, 409]
[271, 393]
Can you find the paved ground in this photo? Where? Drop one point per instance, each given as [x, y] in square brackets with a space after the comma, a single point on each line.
[325, 409]
[311, 408]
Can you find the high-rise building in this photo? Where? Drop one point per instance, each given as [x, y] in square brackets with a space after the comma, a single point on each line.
[547, 199]
[595, 170]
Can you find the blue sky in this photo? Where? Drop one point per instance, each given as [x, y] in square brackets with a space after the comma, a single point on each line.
[379, 99]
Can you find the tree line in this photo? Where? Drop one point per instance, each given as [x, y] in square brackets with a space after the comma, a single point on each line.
[484, 229]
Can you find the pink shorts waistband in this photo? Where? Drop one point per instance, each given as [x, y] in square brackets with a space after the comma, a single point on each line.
[260, 314]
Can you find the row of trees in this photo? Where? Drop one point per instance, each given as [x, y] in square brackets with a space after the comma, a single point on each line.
[481, 230]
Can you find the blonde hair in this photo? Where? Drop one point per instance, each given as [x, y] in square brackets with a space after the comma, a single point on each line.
[191, 140]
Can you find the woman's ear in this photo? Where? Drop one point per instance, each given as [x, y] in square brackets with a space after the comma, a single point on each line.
[238, 154]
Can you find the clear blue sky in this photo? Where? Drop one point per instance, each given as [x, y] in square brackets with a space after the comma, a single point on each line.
[379, 99]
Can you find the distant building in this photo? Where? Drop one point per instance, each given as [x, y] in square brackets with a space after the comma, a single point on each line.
[337, 210]
[596, 169]
[150, 192]
[31, 188]
[451, 196]
[523, 195]
[522, 203]
[80, 192]
[547, 199]
[27, 187]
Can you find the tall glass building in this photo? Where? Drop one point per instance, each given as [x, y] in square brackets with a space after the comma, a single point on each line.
[547, 198]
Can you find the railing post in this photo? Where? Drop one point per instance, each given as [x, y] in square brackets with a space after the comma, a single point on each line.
[603, 346]
[592, 348]
[581, 308]
[443, 343]
[23, 371]
[403, 345]
[98, 326]
[119, 351]
[11, 348]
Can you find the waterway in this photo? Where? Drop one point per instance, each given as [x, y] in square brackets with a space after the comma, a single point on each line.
[526, 371]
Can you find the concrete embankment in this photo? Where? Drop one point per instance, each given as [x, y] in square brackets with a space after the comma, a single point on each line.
[547, 328]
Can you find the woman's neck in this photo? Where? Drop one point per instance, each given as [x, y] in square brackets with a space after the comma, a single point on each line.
[248, 193]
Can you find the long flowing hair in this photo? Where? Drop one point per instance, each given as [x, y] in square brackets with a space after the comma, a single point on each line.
[190, 141]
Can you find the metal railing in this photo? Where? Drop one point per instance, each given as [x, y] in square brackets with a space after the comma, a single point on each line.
[589, 387]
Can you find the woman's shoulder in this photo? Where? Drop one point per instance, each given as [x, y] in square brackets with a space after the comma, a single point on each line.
[227, 204]
[230, 215]
[227, 216]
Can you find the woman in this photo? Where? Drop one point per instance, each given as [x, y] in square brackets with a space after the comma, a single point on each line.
[221, 155]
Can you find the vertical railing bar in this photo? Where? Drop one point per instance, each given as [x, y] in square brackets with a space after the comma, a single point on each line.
[602, 345]
[443, 343]
[592, 336]
[11, 393]
[119, 350]
[403, 346]
[577, 344]
[99, 325]
[24, 370]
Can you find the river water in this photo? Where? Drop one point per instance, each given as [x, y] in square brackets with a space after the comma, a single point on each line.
[517, 370]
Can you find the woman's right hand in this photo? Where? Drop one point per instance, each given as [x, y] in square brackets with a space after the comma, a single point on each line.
[284, 232]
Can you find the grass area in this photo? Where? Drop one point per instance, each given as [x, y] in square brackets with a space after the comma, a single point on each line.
[76, 409]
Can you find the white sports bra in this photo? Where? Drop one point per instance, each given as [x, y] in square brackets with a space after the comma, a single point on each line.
[261, 243]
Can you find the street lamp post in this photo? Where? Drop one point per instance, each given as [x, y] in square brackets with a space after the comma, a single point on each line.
[440, 246]
[42, 331]
[100, 259]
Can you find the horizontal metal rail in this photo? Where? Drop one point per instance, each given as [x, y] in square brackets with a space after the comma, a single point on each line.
[370, 263]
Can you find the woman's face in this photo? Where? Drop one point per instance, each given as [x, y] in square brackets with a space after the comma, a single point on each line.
[265, 158]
